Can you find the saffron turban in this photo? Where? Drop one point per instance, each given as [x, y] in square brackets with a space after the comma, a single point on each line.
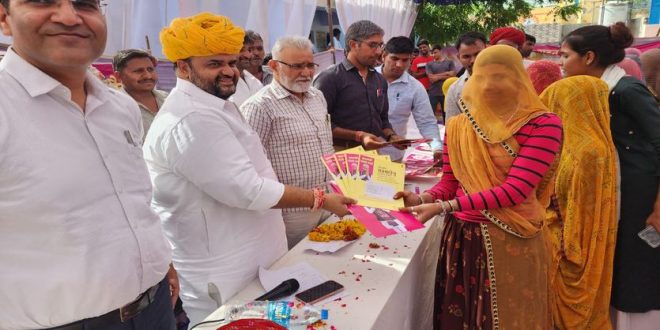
[201, 35]
[507, 33]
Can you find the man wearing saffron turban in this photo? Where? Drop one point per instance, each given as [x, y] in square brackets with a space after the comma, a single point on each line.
[214, 189]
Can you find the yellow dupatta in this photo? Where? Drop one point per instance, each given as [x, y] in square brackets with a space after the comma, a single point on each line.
[583, 237]
[499, 99]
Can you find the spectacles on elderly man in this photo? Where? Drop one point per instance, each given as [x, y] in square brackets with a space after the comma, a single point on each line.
[78, 5]
[299, 66]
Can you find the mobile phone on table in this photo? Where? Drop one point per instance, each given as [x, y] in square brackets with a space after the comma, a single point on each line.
[319, 292]
[650, 236]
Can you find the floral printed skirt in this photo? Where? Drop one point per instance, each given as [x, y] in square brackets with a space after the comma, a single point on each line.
[462, 286]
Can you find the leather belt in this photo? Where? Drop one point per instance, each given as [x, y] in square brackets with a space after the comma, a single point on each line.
[120, 315]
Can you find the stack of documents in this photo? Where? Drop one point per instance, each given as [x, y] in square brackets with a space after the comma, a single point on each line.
[367, 177]
[372, 180]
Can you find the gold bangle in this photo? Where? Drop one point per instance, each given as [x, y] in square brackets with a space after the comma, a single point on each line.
[451, 206]
[421, 200]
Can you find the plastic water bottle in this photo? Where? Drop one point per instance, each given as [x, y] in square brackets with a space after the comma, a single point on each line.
[288, 314]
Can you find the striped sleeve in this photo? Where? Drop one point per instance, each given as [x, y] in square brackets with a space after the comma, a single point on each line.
[446, 188]
[541, 140]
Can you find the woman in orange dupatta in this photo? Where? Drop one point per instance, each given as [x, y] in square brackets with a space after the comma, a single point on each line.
[496, 185]
[583, 233]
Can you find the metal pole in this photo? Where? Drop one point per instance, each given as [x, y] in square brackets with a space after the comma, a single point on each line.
[328, 8]
[146, 38]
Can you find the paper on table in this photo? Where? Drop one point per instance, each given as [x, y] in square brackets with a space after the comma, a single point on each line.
[332, 246]
[306, 275]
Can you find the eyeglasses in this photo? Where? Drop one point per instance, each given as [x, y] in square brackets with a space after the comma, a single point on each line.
[78, 5]
[300, 66]
[375, 45]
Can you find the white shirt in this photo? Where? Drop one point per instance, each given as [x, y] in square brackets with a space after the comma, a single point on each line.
[338, 43]
[406, 96]
[77, 236]
[246, 87]
[214, 189]
[453, 94]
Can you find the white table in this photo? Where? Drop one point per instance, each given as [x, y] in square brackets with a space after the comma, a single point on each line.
[389, 288]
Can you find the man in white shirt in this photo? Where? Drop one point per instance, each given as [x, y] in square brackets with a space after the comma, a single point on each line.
[214, 188]
[80, 248]
[406, 95]
[247, 84]
[292, 121]
[336, 40]
[469, 45]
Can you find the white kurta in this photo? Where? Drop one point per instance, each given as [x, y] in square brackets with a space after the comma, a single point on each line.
[214, 189]
[245, 88]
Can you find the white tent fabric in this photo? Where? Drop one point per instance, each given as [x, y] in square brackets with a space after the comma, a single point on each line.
[396, 17]
[129, 21]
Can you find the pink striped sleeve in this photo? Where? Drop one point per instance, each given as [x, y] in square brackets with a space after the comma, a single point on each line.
[536, 153]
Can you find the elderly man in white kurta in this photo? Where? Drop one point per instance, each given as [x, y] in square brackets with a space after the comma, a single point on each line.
[214, 188]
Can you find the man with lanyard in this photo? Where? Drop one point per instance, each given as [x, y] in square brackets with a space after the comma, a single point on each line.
[406, 95]
[135, 69]
[80, 248]
[469, 45]
[356, 94]
[214, 188]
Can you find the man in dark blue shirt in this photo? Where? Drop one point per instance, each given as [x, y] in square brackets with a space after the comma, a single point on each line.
[356, 94]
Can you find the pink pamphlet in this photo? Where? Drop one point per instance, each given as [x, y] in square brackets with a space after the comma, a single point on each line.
[380, 222]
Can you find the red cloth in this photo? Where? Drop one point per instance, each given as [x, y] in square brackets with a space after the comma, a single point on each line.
[631, 67]
[104, 68]
[543, 73]
[416, 68]
[507, 33]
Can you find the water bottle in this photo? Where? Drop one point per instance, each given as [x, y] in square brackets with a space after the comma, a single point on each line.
[288, 314]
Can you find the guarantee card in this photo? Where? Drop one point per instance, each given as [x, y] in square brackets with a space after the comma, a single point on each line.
[650, 236]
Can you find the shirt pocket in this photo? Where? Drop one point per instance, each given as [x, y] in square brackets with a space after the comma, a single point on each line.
[321, 121]
[135, 173]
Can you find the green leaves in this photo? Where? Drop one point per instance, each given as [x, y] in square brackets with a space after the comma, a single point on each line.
[444, 24]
